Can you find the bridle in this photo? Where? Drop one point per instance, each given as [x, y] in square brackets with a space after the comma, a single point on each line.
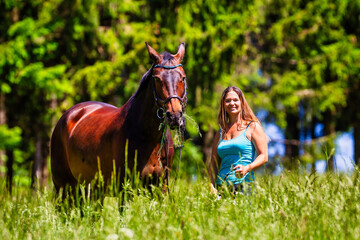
[161, 102]
[160, 107]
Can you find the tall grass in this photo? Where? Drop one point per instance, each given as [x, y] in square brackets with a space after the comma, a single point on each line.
[289, 206]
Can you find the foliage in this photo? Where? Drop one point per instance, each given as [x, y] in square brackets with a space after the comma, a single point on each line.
[306, 48]
[282, 54]
[9, 138]
[287, 206]
[191, 161]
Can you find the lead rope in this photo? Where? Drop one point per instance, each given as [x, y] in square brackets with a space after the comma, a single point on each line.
[167, 158]
[164, 144]
[167, 164]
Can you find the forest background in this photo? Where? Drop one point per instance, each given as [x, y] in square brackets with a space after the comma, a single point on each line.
[298, 63]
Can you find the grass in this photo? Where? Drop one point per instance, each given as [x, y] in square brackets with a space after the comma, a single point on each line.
[289, 206]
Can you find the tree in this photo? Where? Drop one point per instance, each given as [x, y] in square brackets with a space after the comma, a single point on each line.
[303, 52]
[29, 80]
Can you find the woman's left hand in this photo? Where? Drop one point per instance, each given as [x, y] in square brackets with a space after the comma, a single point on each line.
[241, 170]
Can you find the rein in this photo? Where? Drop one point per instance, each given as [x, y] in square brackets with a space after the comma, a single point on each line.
[160, 103]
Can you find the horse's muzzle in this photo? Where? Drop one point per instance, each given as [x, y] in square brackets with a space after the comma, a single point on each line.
[175, 120]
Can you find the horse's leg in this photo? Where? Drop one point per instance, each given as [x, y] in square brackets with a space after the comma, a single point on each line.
[158, 164]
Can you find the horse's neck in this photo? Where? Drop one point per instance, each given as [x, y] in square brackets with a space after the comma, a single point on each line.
[142, 114]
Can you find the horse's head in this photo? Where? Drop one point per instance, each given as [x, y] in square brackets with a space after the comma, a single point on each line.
[169, 85]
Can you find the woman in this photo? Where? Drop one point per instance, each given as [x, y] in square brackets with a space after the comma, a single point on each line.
[240, 146]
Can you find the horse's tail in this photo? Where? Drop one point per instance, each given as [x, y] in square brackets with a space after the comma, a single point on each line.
[61, 173]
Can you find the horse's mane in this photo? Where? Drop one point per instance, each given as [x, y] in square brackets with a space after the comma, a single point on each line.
[144, 80]
[167, 58]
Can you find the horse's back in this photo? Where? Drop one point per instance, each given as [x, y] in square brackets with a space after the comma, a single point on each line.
[75, 142]
[78, 112]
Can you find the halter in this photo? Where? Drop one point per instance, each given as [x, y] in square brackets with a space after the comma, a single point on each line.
[161, 102]
[168, 67]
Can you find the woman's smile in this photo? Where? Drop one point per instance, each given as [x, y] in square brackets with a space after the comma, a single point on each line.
[232, 103]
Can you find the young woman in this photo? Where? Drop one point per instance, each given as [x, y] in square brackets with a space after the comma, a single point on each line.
[240, 146]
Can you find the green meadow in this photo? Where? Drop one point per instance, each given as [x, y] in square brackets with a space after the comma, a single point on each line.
[288, 206]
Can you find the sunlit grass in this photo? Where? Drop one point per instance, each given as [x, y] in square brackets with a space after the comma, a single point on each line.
[289, 206]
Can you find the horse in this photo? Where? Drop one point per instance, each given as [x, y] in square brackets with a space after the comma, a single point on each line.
[94, 136]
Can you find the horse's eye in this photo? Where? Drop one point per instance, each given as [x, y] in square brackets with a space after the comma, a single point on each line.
[184, 79]
[156, 78]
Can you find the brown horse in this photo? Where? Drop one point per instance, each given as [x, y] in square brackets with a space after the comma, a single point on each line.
[93, 134]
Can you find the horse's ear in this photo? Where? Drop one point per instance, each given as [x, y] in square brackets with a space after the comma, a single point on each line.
[180, 52]
[153, 54]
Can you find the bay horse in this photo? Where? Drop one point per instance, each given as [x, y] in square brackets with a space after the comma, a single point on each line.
[93, 135]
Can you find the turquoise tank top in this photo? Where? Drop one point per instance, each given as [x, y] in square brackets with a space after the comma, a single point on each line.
[239, 150]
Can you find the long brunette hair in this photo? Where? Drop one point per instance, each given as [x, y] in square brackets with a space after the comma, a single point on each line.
[246, 113]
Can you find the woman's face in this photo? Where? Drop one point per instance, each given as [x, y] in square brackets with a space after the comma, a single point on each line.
[232, 103]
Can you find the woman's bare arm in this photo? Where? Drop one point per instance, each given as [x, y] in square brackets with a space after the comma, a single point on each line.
[259, 140]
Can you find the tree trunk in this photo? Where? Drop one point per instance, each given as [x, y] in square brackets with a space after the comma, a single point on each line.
[39, 171]
[356, 135]
[292, 135]
[208, 138]
[313, 124]
[10, 169]
[2, 122]
[329, 131]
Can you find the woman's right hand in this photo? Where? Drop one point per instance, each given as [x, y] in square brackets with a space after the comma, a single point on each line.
[213, 189]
